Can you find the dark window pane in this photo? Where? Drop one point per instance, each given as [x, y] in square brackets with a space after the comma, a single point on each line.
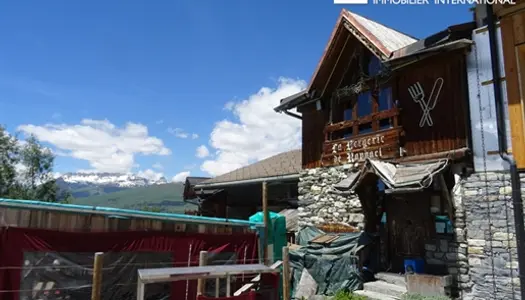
[348, 114]
[385, 99]
[364, 107]
[365, 128]
[385, 124]
[374, 66]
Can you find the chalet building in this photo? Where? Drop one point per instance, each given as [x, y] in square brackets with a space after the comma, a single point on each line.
[400, 140]
[238, 194]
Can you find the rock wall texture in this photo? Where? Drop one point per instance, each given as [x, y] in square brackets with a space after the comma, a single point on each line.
[320, 203]
[488, 235]
[481, 255]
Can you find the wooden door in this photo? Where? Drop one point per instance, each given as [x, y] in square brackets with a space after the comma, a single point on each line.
[410, 225]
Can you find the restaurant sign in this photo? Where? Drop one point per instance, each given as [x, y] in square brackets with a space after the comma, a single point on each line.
[357, 150]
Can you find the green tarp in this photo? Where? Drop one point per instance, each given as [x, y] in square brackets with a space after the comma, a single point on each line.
[333, 266]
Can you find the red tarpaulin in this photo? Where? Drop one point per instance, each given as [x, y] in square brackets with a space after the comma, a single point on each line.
[17, 244]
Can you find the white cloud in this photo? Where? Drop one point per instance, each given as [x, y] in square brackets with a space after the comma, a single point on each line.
[180, 177]
[159, 122]
[150, 174]
[258, 131]
[229, 105]
[56, 116]
[190, 167]
[181, 133]
[105, 146]
[178, 132]
[202, 152]
[158, 166]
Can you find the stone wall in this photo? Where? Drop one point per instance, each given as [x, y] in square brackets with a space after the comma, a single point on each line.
[320, 203]
[481, 255]
[489, 237]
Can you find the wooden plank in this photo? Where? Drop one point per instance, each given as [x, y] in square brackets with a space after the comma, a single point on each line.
[367, 119]
[518, 28]
[513, 91]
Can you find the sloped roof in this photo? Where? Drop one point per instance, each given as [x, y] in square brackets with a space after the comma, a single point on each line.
[287, 163]
[380, 39]
[192, 180]
[386, 39]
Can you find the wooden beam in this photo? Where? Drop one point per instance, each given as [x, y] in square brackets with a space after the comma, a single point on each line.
[514, 97]
[446, 194]
[201, 283]
[266, 215]
[98, 265]
[335, 65]
[286, 274]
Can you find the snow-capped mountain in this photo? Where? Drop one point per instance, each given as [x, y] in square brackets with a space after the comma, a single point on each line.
[113, 179]
[81, 185]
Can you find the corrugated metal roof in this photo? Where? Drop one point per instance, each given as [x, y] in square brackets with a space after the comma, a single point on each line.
[286, 163]
[388, 38]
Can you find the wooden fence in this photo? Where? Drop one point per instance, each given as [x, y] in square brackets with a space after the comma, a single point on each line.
[91, 221]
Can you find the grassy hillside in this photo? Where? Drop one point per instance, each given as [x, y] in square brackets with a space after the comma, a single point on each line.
[163, 197]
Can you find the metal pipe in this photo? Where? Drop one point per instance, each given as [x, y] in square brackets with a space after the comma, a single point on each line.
[291, 114]
[502, 141]
[247, 181]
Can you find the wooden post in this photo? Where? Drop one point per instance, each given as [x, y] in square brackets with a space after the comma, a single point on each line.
[201, 283]
[286, 274]
[266, 222]
[98, 264]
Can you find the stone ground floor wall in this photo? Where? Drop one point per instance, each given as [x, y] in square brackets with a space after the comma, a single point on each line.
[320, 203]
[489, 236]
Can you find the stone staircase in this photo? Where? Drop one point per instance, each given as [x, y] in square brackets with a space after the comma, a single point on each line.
[388, 286]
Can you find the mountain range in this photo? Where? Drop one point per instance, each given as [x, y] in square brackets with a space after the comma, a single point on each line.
[128, 191]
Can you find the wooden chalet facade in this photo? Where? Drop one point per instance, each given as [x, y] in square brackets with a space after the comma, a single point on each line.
[394, 143]
[367, 100]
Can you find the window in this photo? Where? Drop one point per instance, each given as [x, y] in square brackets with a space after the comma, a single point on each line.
[385, 99]
[374, 66]
[348, 114]
[385, 102]
[364, 104]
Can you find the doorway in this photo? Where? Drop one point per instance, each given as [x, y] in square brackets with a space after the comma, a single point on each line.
[410, 225]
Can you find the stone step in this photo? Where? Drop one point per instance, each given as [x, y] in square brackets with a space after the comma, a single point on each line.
[375, 296]
[392, 278]
[382, 287]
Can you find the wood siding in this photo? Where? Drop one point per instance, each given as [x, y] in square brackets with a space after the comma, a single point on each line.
[313, 138]
[450, 115]
[513, 34]
[64, 221]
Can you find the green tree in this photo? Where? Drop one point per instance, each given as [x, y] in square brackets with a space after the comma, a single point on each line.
[37, 171]
[26, 170]
[8, 162]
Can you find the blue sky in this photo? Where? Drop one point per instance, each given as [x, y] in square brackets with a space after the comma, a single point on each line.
[170, 87]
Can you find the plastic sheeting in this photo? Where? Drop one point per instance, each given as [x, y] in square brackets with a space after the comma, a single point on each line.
[333, 266]
[45, 264]
[51, 275]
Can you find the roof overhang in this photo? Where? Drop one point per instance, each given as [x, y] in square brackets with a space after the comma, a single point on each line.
[402, 61]
[216, 185]
[292, 101]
